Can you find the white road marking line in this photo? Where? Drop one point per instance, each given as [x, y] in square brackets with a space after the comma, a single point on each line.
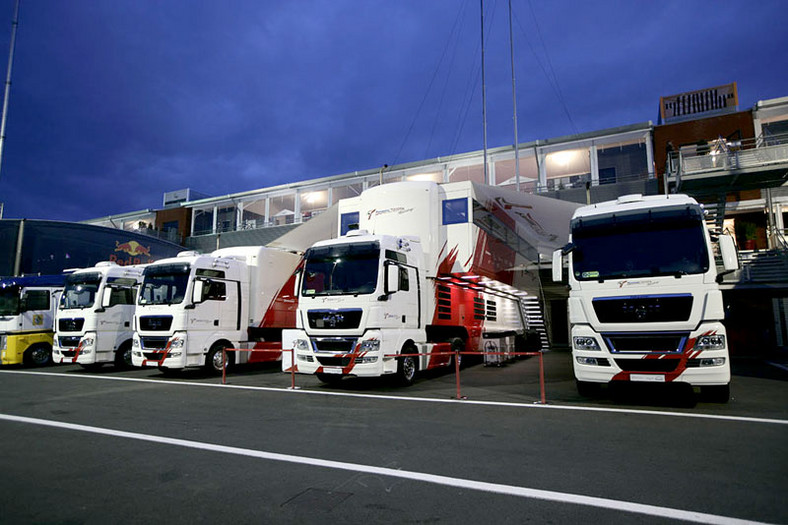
[778, 365]
[692, 415]
[510, 490]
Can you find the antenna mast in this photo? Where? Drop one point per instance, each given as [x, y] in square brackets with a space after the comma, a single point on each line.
[14, 25]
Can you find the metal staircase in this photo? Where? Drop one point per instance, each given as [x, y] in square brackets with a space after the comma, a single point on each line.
[534, 315]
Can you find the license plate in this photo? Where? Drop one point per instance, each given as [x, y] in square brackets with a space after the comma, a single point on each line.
[332, 370]
[647, 378]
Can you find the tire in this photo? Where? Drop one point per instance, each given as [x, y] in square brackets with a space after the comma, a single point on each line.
[586, 389]
[37, 355]
[407, 366]
[329, 379]
[123, 356]
[213, 359]
[716, 393]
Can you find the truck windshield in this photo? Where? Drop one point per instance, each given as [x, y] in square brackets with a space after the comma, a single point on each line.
[164, 284]
[643, 244]
[9, 300]
[343, 269]
[80, 290]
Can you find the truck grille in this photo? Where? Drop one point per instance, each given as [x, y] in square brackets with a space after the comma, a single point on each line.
[334, 319]
[158, 343]
[646, 343]
[339, 345]
[69, 342]
[333, 361]
[71, 325]
[643, 309]
[153, 356]
[156, 323]
[648, 365]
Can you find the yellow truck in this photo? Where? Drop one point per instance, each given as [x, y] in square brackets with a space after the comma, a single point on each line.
[27, 313]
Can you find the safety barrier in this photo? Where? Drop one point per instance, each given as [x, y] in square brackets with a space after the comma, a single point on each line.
[457, 359]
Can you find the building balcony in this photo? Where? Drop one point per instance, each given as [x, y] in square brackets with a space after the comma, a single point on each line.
[728, 166]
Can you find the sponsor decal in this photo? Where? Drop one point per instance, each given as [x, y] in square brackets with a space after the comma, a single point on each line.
[642, 282]
[134, 250]
[399, 210]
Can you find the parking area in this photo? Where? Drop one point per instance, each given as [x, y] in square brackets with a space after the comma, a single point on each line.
[132, 446]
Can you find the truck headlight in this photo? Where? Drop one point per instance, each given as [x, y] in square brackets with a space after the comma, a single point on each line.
[361, 360]
[86, 344]
[135, 343]
[177, 342]
[581, 342]
[710, 342]
[301, 344]
[370, 345]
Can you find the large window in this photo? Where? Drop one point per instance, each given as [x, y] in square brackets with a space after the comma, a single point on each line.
[622, 162]
[567, 168]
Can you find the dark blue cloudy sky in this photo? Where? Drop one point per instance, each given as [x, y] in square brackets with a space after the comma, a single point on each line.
[115, 102]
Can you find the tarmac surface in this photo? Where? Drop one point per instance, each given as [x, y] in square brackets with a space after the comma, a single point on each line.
[135, 446]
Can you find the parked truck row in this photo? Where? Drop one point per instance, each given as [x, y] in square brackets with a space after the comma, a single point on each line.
[410, 277]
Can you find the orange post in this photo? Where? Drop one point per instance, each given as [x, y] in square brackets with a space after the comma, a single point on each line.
[541, 377]
[224, 368]
[292, 369]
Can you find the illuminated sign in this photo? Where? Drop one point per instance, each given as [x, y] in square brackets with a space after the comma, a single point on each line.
[699, 102]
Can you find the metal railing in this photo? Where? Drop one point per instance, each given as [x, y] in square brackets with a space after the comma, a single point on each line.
[721, 155]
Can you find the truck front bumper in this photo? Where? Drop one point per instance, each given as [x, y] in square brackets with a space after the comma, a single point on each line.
[690, 362]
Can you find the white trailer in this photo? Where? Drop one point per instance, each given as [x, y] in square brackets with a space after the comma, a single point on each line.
[93, 324]
[644, 301]
[418, 276]
[191, 306]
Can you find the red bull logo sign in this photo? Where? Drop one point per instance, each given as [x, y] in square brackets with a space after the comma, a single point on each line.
[134, 250]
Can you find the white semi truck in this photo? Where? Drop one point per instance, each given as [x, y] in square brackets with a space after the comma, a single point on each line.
[418, 277]
[27, 313]
[93, 324]
[644, 300]
[192, 306]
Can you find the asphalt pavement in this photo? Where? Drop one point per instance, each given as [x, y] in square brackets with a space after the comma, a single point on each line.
[135, 446]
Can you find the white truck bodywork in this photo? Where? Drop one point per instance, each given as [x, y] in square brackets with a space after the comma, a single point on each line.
[418, 276]
[191, 306]
[644, 302]
[93, 324]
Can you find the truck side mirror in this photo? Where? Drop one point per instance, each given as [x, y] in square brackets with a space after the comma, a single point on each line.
[392, 278]
[197, 292]
[106, 298]
[730, 259]
[558, 266]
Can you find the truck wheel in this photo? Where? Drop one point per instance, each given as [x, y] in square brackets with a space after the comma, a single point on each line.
[123, 356]
[407, 366]
[329, 379]
[716, 393]
[37, 355]
[586, 389]
[213, 361]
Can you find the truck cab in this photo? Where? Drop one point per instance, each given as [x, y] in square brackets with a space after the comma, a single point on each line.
[27, 312]
[93, 324]
[361, 301]
[644, 302]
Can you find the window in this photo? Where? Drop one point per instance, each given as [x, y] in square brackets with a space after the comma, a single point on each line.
[404, 284]
[455, 211]
[37, 300]
[348, 221]
[214, 291]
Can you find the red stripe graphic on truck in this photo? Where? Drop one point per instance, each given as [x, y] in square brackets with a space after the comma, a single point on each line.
[688, 353]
